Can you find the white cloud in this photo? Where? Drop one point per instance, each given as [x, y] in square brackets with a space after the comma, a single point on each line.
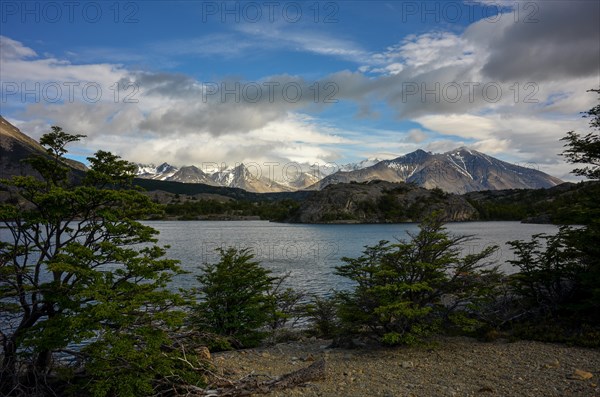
[29, 77]
[461, 125]
[172, 122]
[12, 49]
[416, 135]
[523, 139]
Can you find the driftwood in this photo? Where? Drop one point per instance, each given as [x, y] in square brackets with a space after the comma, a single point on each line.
[252, 385]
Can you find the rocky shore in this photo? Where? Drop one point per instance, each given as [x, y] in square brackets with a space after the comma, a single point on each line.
[451, 367]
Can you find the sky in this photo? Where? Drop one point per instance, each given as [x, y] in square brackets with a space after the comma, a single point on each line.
[304, 82]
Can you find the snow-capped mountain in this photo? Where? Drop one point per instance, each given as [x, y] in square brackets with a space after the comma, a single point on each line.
[242, 177]
[457, 171]
[360, 165]
[192, 174]
[239, 176]
[246, 177]
[150, 171]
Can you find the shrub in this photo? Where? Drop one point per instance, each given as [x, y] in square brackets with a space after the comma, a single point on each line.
[285, 310]
[405, 291]
[547, 272]
[321, 314]
[234, 300]
[558, 275]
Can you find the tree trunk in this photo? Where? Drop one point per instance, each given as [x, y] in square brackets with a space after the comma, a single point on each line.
[42, 361]
[8, 374]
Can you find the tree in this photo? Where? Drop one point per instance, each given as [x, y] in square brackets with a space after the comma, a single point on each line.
[321, 315]
[584, 241]
[547, 270]
[286, 308]
[401, 288]
[234, 299]
[585, 149]
[77, 268]
[562, 277]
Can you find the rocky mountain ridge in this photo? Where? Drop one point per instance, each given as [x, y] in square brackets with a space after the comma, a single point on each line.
[241, 176]
[459, 171]
[16, 146]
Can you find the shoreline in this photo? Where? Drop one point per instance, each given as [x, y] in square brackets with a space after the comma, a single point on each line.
[454, 366]
[251, 218]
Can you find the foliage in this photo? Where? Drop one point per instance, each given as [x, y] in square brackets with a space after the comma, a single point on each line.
[286, 309]
[234, 299]
[405, 291]
[586, 149]
[564, 204]
[553, 330]
[547, 272]
[321, 313]
[79, 269]
[560, 278]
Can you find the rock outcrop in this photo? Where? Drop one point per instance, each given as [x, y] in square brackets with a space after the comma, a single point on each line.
[381, 202]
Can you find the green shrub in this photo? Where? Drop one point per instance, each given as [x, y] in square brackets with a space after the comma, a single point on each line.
[285, 310]
[234, 300]
[406, 291]
[547, 272]
[321, 313]
[559, 275]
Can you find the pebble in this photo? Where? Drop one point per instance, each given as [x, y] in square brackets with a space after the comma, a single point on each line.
[581, 375]
[457, 367]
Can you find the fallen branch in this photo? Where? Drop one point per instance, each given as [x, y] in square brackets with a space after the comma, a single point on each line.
[252, 385]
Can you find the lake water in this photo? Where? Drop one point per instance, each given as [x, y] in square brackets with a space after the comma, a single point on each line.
[311, 252]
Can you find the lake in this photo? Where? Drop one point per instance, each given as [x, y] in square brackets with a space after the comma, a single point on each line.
[310, 252]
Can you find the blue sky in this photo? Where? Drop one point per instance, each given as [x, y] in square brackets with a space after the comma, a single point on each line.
[306, 82]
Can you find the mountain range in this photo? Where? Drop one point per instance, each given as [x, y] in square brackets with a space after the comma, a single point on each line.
[459, 171]
[249, 178]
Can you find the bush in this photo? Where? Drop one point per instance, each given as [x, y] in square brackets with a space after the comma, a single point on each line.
[234, 298]
[406, 291]
[321, 313]
[559, 275]
[286, 309]
[547, 272]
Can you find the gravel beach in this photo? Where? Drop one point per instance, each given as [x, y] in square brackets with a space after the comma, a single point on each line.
[453, 367]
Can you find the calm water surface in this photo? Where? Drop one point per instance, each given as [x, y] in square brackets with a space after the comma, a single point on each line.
[310, 252]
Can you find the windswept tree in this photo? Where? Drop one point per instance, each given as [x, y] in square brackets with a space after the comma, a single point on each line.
[81, 277]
